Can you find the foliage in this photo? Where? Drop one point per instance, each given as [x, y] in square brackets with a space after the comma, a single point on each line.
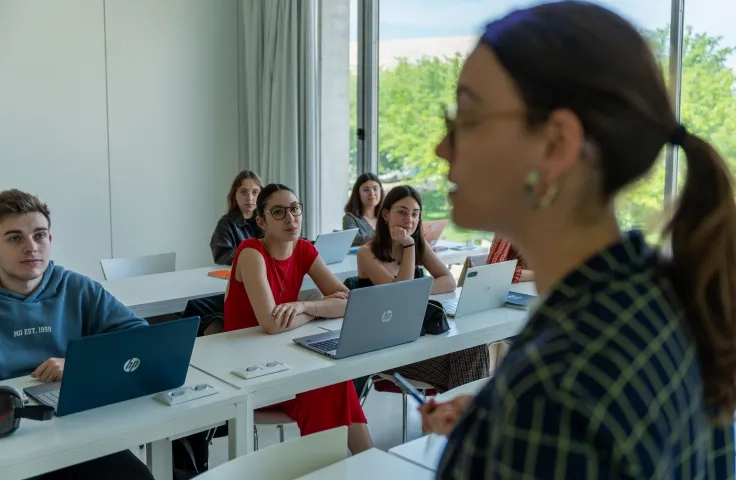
[412, 92]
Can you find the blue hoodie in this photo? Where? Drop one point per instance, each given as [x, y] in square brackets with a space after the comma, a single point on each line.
[65, 306]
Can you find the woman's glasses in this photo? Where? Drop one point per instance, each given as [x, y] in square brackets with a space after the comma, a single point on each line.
[278, 213]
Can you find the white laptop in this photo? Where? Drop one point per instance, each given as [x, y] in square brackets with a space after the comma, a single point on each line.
[375, 317]
[484, 288]
[333, 247]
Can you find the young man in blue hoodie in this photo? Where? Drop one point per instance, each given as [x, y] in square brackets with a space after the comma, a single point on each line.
[43, 306]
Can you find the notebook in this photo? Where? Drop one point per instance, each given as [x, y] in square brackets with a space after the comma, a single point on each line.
[224, 274]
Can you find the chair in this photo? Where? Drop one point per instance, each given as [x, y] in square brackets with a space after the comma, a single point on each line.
[114, 268]
[270, 416]
[385, 383]
[287, 460]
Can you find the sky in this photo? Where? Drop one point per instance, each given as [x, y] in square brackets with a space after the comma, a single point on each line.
[407, 19]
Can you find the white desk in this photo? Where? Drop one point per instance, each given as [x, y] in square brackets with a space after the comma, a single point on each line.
[425, 451]
[371, 464]
[40, 447]
[219, 354]
[165, 293]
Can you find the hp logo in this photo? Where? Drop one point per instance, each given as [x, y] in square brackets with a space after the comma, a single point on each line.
[132, 365]
[387, 315]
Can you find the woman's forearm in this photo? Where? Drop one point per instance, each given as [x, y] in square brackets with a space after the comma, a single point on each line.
[408, 264]
[443, 284]
[326, 308]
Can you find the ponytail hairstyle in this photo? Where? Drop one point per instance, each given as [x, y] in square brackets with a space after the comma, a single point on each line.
[581, 57]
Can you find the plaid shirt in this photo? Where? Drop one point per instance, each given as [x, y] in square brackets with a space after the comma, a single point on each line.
[603, 382]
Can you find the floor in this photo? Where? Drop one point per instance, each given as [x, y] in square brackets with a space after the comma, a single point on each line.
[383, 411]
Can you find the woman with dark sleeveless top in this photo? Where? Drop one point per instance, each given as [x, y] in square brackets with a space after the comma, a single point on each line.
[263, 290]
[397, 252]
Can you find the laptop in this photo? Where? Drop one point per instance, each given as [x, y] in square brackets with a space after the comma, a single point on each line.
[432, 231]
[116, 366]
[333, 247]
[376, 317]
[484, 287]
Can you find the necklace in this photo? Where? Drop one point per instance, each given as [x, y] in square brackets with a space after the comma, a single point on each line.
[276, 271]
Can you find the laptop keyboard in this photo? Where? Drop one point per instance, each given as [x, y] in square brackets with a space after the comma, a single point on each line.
[450, 306]
[50, 398]
[325, 345]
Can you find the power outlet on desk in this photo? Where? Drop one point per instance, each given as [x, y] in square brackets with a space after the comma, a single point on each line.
[186, 394]
[254, 371]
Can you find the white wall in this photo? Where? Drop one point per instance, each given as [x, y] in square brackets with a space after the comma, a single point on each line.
[171, 81]
[53, 134]
[334, 111]
[173, 103]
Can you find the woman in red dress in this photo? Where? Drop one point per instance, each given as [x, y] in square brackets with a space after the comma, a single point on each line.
[263, 290]
[502, 251]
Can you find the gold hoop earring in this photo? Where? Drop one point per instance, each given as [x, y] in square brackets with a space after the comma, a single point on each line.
[530, 186]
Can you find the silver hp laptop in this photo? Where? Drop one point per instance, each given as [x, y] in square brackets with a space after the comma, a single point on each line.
[333, 247]
[376, 317]
[484, 287]
[116, 366]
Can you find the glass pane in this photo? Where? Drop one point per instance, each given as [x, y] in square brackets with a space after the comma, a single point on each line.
[422, 44]
[709, 76]
[353, 62]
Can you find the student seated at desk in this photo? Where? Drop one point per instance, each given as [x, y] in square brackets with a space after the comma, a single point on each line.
[238, 223]
[502, 251]
[363, 207]
[263, 289]
[235, 226]
[395, 254]
[42, 307]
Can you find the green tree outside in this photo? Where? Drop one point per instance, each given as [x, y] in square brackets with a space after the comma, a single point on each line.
[412, 93]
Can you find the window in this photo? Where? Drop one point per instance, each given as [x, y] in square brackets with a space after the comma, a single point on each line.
[353, 62]
[422, 45]
[709, 76]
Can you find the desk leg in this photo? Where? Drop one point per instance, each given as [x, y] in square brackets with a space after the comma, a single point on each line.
[236, 429]
[158, 458]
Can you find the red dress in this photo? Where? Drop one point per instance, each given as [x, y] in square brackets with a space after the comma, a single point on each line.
[316, 410]
[502, 251]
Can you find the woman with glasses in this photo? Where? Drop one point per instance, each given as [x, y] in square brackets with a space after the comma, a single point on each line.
[626, 369]
[263, 290]
[362, 209]
[396, 253]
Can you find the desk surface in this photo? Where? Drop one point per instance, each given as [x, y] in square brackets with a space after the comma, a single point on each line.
[38, 447]
[219, 354]
[165, 293]
[371, 464]
[425, 451]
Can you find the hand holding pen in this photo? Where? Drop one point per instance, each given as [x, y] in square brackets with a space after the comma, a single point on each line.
[441, 417]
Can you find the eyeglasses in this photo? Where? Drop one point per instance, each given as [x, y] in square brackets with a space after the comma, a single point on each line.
[12, 409]
[449, 115]
[415, 214]
[278, 213]
[368, 190]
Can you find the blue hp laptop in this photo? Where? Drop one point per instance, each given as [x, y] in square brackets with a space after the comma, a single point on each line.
[116, 366]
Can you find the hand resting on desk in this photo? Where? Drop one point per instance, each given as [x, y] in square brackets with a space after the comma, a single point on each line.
[49, 371]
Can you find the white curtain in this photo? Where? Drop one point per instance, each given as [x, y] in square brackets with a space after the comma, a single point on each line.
[279, 121]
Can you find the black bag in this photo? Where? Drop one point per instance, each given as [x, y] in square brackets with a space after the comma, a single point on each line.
[435, 319]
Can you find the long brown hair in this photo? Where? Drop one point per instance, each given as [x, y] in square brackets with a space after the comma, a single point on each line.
[354, 205]
[232, 204]
[382, 245]
[584, 58]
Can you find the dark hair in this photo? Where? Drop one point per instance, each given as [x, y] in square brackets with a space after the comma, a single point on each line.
[581, 57]
[381, 246]
[14, 202]
[265, 194]
[232, 204]
[354, 205]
